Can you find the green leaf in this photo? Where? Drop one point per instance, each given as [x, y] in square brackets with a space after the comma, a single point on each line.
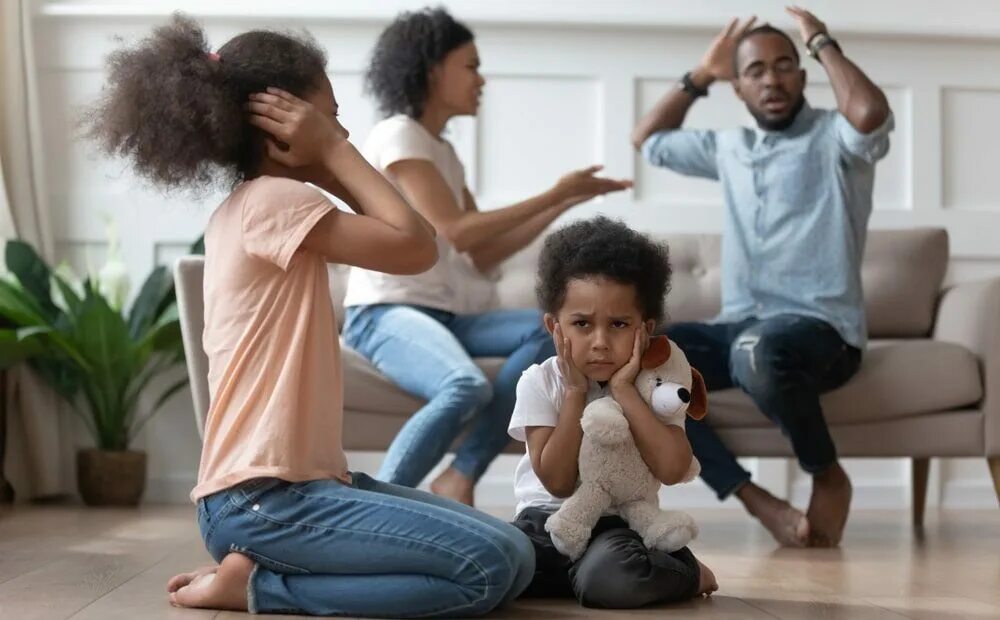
[73, 301]
[102, 337]
[57, 343]
[165, 335]
[14, 348]
[62, 376]
[157, 289]
[33, 273]
[19, 307]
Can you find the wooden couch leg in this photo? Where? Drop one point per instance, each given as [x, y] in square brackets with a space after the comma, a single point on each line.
[920, 471]
[994, 462]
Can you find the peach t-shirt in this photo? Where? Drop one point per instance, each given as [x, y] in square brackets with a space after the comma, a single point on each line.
[274, 370]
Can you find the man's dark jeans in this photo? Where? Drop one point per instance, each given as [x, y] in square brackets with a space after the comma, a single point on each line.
[784, 363]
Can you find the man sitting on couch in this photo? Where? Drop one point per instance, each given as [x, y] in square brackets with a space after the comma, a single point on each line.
[798, 195]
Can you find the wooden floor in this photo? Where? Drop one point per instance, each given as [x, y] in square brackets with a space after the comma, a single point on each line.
[69, 562]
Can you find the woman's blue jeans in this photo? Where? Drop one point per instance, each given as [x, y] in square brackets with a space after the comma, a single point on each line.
[429, 353]
[368, 548]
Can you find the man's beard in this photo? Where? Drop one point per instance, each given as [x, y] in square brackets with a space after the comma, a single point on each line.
[780, 124]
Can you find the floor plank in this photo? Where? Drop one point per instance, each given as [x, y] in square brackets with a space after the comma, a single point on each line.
[146, 591]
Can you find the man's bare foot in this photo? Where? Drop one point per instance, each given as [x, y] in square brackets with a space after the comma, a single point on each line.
[179, 581]
[454, 485]
[829, 506]
[222, 588]
[706, 582]
[788, 526]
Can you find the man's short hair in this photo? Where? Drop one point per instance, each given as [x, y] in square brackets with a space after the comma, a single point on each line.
[762, 29]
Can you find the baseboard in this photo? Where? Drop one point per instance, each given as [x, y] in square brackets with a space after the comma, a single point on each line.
[172, 489]
[495, 490]
[969, 494]
[868, 494]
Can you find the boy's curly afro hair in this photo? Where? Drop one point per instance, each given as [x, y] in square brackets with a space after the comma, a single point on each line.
[602, 247]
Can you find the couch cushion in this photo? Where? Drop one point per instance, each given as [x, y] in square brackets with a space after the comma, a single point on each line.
[902, 273]
[695, 293]
[897, 379]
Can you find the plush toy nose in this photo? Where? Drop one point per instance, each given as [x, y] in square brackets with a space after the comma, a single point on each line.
[684, 395]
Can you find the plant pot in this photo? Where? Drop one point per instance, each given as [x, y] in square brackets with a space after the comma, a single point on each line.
[107, 478]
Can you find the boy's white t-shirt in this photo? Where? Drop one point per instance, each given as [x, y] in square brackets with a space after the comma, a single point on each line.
[453, 284]
[539, 399]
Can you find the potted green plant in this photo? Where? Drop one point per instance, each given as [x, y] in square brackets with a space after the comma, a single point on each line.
[95, 355]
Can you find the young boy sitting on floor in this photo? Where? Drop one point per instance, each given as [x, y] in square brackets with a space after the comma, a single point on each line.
[602, 288]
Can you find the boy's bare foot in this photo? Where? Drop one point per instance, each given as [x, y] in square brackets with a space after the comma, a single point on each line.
[829, 506]
[706, 582]
[454, 485]
[788, 526]
[222, 588]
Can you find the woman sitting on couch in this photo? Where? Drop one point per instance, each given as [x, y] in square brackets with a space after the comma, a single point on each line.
[423, 331]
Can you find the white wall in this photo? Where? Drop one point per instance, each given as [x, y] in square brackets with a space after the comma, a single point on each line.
[565, 83]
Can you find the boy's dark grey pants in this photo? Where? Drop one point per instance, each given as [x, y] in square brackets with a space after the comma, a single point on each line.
[615, 572]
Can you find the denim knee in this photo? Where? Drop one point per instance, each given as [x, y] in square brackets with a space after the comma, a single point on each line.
[522, 560]
[495, 578]
[472, 388]
[762, 365]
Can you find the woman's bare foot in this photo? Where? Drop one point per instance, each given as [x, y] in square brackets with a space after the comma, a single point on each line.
[222, 588]
[454, 485]
[788, 526]
[706, 582]
[829, 506]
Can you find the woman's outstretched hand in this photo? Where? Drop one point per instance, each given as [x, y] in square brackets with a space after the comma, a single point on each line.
[581, 185]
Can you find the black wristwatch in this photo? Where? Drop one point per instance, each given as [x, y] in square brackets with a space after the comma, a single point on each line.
[818, 41]
[688, 86]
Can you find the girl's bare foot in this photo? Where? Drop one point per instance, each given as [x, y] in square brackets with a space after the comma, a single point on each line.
[828, 506]
[788, 526]
[223, 588]
[706, 582]
[179, 581]
[455, 486]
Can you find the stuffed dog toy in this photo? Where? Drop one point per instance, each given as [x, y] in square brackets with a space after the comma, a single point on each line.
[613, 477]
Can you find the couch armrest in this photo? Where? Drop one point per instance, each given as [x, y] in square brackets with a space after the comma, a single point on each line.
[969, 315]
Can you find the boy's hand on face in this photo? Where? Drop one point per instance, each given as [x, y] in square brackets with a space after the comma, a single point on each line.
[624, 377]
[573, 379]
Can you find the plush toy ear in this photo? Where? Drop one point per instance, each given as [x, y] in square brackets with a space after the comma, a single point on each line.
[698, 406]
[657, 353]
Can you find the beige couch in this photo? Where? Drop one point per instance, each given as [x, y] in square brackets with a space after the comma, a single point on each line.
[929, 384]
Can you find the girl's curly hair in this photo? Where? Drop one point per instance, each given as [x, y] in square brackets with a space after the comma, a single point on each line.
[177, 111]
[404, 55]
[602, 247]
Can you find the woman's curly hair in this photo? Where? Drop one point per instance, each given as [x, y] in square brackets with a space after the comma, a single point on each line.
[602, 247]
[177, 111]
[404, 55]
